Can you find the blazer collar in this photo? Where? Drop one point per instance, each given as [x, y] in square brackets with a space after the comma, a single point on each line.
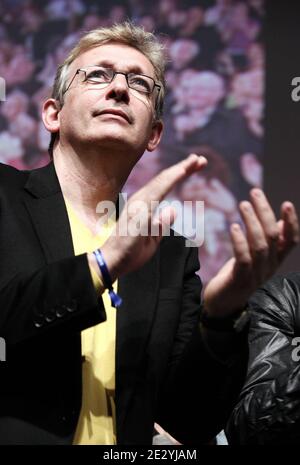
[47, 209]
[43, 182]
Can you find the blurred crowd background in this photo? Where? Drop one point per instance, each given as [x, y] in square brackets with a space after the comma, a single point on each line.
[214, 104]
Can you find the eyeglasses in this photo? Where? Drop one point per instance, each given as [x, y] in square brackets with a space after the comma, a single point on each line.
[102, 77]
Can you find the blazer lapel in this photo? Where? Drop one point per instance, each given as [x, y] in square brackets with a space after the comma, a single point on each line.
[139, 291]
[48, 213]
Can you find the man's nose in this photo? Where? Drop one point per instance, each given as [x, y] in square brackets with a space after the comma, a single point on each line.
[118, 88]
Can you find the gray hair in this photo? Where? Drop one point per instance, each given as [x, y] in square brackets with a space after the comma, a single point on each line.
[124, 33]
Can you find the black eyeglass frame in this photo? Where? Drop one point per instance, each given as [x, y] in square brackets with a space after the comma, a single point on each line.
[114, 73]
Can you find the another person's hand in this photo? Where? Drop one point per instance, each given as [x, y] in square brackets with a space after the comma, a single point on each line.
[257, 254]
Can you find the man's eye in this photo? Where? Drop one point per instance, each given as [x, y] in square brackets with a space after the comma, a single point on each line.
[141, 83]
[98, 75]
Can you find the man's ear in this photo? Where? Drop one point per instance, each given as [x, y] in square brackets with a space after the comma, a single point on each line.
[156, 133]
[50, 114]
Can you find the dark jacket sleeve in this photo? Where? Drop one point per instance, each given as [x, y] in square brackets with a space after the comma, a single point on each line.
[57, 297]
[268, 410]
[200, 391]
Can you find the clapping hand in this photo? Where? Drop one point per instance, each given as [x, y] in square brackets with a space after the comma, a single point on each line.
[257, 254]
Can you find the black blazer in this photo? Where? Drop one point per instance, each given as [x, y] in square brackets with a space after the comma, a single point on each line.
[164, 372]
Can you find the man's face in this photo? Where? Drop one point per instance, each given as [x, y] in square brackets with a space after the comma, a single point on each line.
[114, 116]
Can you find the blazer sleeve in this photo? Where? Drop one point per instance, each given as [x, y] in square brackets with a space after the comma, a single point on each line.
[58, 297]
[268, 410]
[200, 390]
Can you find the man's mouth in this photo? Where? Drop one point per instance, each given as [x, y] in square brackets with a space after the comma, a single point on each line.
[115, 111]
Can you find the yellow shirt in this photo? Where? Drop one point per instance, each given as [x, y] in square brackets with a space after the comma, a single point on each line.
[96, 423]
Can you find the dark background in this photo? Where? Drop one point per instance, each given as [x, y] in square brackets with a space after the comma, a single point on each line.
[282, 138]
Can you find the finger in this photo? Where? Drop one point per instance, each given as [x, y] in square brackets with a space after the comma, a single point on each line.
[257, 243]
[241, 251]
[264, 213]
[158, 187]
[267, 219]
[291, 223]
[255, 234]
[289, 229]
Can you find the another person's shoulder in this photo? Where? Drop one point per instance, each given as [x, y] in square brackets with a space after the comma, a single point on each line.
[282, 284]
[278, 301]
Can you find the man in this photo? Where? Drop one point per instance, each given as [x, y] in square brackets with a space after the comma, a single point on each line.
[268, 410]
[77, 370]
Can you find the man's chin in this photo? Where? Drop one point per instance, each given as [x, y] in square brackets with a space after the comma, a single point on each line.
[114, 141]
